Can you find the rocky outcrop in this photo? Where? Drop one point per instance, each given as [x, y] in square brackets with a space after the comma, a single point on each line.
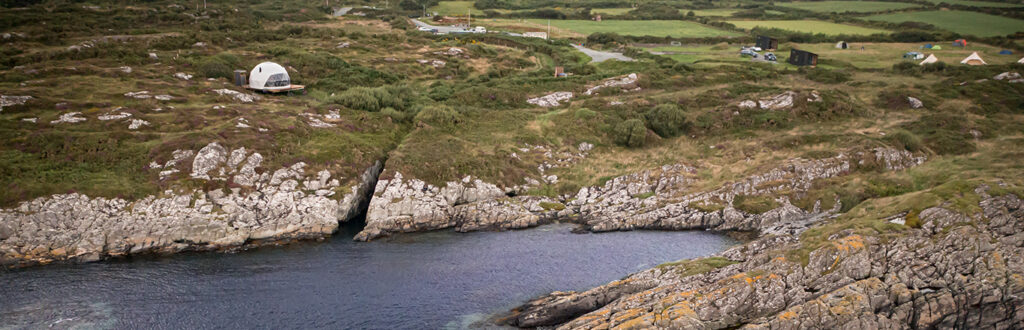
[550, 100]
[287, 204]
[657, 199]
[954, 271]
[400, 205]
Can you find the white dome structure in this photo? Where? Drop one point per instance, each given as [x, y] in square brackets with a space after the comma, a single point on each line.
[269, 76]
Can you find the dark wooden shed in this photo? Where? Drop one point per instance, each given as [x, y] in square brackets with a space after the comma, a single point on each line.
[766, 43]
[802, 58]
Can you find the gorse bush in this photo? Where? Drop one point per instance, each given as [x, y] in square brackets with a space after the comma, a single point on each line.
[631, 133]
[668, 120]
[376, 98]
[439, 116]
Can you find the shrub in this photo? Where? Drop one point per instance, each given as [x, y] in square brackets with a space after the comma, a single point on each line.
[827, 76]
[754, 204]
[909, 68]
[584, 114]
[395, 115]
[668, 120]
[907, 140]
[440, 92]
[439, 116]
[217, 67]
[630, 133]
[361, 98]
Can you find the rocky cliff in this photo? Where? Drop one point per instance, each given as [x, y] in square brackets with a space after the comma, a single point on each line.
[953, 271]
[659, 199]
[271, 206]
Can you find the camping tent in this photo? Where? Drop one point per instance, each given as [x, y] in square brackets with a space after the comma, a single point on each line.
[1005, 52]
[927, 46]
[936, 47]
[269, 76]
[931, 59]
[913, 55]
[974, 59]
[842, 45]
[1021, 60]
[960, 43]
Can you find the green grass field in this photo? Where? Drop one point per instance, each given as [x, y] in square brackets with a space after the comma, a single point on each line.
[579, 28]
[965, 22]
[847, 6]
[454, 8]
[810, 26]
[978, 3]
[718, 12]
[610, 11]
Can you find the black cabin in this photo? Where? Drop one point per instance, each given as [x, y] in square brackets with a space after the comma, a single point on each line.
[802, 58]
[767, 43]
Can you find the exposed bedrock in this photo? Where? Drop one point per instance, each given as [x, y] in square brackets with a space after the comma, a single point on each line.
[660, 198]
[285, 204]
[952, 272]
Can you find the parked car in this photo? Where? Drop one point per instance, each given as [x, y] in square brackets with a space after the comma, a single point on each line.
[770, 57]
[425, 28]
[748, 52]
[756, 49]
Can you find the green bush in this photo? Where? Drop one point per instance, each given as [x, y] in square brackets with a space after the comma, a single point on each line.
[754, 204]
[668, 120]
[827, 76]
[396, 115]
[630, 133]
[584, 114]
[361, 98]
[907, 140]
[439, 116]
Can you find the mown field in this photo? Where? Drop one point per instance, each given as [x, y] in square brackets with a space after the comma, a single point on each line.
[810, 26]
[610, 11]
[717, 12]
[973, 3]
[582, 28]
[847, 6]
[964, 22]
[454, 8]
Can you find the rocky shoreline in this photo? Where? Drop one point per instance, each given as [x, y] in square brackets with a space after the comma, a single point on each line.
[287, 204]
[267, 208]
[952, 272]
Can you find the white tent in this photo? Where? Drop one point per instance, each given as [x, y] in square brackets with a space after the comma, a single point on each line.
[931, 59]
[974, 59]
[269, 76]
[842, 45]
[1021, 60]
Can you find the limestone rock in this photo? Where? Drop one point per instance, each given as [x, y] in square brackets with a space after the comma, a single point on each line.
[914, 102]
[208, 159]
[550, 100]
[8, 100]
[70, 117]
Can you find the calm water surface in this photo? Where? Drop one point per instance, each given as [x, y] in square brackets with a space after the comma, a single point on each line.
[417, 281]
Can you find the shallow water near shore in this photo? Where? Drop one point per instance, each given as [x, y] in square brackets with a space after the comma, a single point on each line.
[429, 280]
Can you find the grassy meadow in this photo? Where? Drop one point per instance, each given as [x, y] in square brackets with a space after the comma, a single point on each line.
[973, 3]
[847, 6]
[965, 22]
[582, 28]
[810, 26]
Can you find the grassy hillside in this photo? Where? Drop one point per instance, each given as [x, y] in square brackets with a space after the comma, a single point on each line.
[965, 22]
[847, 6]
[809, 26]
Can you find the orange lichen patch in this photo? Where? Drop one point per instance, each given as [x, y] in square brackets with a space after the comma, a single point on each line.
[642, 321]
[676, 311]
[780, 259]
[751, 280]
[848, 243]
[788, 315]
[738, 276]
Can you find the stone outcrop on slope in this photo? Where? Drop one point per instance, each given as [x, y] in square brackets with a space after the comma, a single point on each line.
[952, 272]
[284, 205]
[659, 199]
[412, 205]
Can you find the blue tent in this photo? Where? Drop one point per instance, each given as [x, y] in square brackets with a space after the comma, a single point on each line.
[1005, 52]
[927, 46]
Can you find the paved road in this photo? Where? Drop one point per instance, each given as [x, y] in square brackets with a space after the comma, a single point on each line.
[597, 56]
[440, 29]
